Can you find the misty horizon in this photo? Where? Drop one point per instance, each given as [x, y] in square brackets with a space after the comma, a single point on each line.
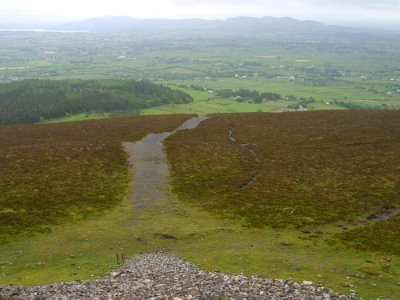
[335, 12]
[46, 24]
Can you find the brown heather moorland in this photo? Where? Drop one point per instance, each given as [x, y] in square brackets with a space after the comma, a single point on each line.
[52, 174]
[295, 170]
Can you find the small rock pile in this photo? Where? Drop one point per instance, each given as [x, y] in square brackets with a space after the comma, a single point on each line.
[160, 276]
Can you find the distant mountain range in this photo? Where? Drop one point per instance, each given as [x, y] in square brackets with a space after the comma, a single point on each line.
[238, 24]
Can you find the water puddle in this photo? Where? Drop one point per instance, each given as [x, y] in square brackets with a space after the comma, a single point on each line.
[149, 163]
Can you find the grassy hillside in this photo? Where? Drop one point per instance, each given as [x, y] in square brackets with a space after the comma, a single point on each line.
[208, 161]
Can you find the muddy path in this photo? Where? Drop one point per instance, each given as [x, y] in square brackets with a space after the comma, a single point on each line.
[150, 167]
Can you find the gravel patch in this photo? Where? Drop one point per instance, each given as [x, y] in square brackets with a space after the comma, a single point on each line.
[159, 276]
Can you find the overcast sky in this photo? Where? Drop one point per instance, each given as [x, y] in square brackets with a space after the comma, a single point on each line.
[323, 10]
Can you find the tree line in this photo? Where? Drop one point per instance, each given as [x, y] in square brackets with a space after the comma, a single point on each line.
[30, 101]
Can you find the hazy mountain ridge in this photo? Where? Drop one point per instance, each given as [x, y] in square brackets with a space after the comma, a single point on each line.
[284, 28]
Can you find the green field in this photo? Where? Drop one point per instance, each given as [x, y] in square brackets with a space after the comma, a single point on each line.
[216, 105]
[206, 103]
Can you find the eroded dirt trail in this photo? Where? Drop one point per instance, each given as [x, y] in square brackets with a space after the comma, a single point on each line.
[150, 167]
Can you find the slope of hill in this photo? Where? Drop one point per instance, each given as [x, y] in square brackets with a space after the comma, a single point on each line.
[317, 174]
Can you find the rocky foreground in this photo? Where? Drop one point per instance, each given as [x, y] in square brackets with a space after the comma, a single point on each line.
[161, 276]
